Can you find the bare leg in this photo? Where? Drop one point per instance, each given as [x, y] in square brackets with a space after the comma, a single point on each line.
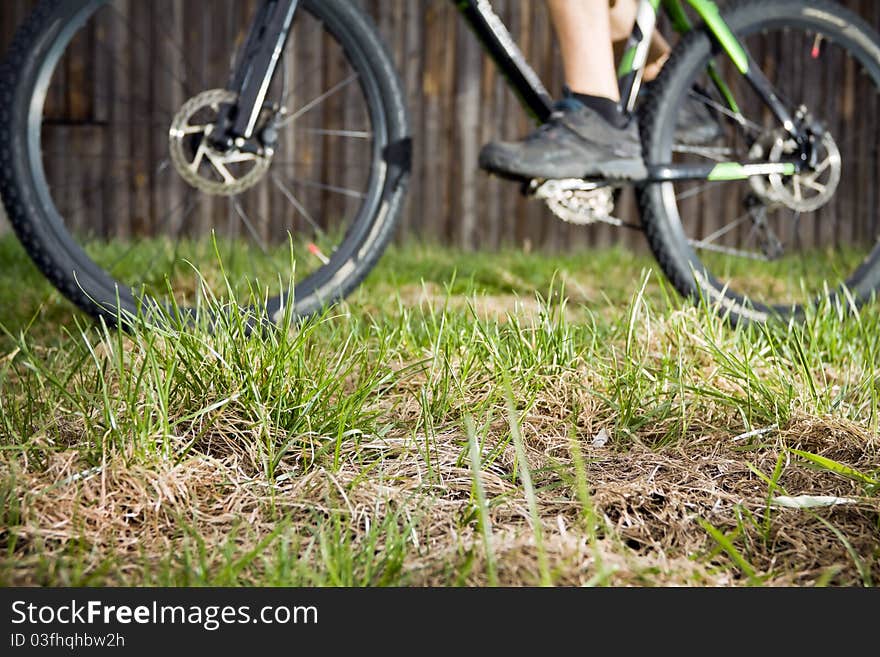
[657, 56]
[588, 138]
[623, 17]
[583, 28]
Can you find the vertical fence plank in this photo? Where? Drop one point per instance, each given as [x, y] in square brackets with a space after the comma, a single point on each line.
[413, 66]
[467, 109]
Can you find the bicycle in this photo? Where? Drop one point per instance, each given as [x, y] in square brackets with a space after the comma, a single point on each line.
[120, 187]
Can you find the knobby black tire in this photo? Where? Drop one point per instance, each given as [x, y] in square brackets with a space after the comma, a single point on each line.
[62, 259]
[665, 234]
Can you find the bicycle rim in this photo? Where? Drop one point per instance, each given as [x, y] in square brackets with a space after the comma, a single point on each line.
[776, 244]
[124, 97]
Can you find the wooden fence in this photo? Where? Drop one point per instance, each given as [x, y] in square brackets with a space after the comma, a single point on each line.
[459, 102]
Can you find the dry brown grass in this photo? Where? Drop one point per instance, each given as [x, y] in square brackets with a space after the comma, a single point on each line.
[649, 501]
[111, 517]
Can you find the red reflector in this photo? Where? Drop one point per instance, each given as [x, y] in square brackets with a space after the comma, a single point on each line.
[817, 47]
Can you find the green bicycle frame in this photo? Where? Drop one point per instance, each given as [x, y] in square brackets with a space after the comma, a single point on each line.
[535, 98]
[634, 60]
[635, 55]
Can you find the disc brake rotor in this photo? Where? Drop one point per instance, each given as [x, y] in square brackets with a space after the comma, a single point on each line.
[201, 165]
[803, 192]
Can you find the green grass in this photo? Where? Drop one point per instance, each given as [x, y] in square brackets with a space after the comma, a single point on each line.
[444, 426]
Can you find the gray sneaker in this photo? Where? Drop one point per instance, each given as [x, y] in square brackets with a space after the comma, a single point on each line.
[698, 123]
[577, 142]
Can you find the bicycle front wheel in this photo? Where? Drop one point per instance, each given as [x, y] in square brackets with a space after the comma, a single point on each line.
[115, 191]
[771, 246]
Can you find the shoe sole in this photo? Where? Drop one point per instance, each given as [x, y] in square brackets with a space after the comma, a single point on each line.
[613, 170]
[625, 170]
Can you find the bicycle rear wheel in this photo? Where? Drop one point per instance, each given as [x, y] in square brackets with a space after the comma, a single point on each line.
[113, 189]
[772, 246]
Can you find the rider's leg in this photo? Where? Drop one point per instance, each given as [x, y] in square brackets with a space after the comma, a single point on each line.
[583, 28]
[623, 17]
[587, 136]
[696, 123]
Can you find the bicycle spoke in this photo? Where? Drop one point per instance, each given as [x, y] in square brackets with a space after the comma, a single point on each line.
[773, 254]
[739, 118]
[796, 221]
[236, 204]
[797, 230]
[353, 134]
[101, 156]
[161, 167]
[296, 204]
[144, 42]
[697, 190]
[143, 200]
[139, 103]
[732, 252]
[180, 51]
[718, 154]
[75, 210]
[320, 99]
[162, 223]
[721, 232]
[165, 221]
[103, 185]
[351, 193]
[305, 163]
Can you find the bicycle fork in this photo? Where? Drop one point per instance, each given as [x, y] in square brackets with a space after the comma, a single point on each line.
[253, 73]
